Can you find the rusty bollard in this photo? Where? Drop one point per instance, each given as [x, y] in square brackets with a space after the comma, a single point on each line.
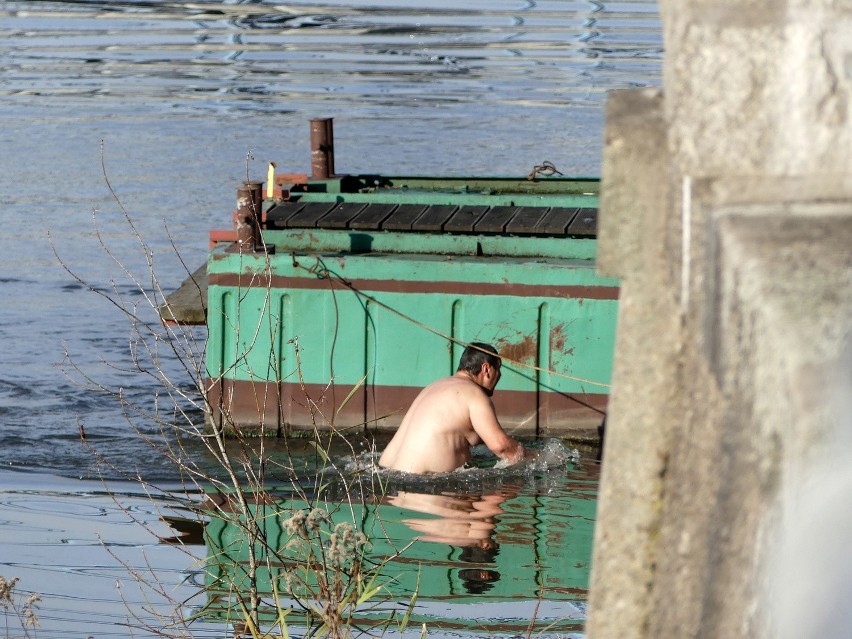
[247, 215]
[322, 148]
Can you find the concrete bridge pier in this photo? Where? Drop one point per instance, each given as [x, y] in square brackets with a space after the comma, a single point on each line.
[726, 210]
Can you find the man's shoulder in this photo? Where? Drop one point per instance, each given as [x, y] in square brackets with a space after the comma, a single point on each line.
[459, 385]
[452, 380]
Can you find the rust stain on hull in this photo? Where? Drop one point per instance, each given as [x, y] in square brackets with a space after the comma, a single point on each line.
[558, 341]
[557, 337]
[524, 351]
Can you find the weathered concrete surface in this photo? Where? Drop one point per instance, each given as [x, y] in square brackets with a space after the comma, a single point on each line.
[812, 565]
[188, 303]
[631, 246]
[726, 209]
[759, 87]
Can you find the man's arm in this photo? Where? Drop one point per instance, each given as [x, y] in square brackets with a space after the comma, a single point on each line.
[485, 423]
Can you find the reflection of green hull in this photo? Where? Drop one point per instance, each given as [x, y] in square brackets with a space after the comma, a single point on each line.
[543, 545]
[371, 309]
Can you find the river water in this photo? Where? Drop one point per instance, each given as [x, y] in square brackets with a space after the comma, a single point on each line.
[176, 103]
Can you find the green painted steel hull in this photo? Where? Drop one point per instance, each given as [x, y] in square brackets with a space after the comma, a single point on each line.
[344, 327]
[522, 566]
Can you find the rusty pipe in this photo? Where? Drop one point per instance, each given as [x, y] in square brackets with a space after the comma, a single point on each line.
[256, 189]
[322, 148]
[247, 215]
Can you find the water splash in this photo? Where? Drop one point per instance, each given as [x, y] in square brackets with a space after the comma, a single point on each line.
[552, 456]
[555, 455]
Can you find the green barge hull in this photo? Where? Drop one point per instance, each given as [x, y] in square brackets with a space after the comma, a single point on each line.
[513, 566]
[334, 301]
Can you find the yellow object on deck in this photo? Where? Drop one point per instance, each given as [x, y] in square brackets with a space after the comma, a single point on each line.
[270, 181]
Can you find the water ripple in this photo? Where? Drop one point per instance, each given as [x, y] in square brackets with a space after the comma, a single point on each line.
[209, 54]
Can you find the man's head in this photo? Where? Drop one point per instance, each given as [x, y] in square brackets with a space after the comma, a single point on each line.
[482, 363]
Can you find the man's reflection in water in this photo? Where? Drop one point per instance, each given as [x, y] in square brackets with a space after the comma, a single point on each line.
[479, 580]
[466, 521]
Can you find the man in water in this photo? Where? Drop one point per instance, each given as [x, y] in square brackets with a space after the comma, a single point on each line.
[451, 415]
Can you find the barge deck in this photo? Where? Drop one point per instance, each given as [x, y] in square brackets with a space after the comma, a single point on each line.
[334, 299]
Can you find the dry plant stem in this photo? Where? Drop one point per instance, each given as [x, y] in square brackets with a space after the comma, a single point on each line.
[143, 330]
[332, 586]
[20, 606]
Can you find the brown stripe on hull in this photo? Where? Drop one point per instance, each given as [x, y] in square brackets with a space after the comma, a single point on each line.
[256, 280]
[276, 408]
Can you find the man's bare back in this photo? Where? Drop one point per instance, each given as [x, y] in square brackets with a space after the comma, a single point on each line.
[448, 417]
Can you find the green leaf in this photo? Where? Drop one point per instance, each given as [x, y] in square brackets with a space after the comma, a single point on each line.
[351, 393]
[282, 622]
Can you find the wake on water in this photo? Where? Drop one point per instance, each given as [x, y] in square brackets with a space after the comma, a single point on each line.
[553, 457]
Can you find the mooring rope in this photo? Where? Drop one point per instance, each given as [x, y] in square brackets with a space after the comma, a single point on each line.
[322, 272]
[546, 168]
